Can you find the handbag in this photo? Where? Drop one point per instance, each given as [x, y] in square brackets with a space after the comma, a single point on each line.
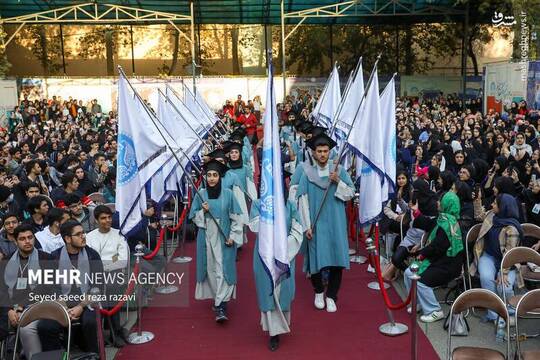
[460, 326]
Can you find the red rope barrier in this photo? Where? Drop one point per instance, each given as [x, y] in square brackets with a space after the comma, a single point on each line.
[128, 292]
[158, 245]
[376, 261]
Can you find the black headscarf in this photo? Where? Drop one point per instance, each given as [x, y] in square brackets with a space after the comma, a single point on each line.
[427, 199]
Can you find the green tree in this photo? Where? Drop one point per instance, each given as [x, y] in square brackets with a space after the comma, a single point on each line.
[4, 63]
[101, 43]
[44, 42]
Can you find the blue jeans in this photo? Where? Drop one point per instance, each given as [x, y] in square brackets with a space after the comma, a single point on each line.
[488, 279]
[426, 297]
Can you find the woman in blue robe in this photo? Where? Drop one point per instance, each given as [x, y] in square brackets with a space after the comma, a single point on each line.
[217, 216]
[275, 305]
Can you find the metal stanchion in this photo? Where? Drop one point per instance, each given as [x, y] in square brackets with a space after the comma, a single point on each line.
[391, 328]
[374, 285]
[357, 258]
[165, 289]
[96, 306]
[139, 337]
[414, 277]
[184, 259]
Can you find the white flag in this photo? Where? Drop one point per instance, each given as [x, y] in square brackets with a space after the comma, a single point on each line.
[141, 153]
[351, 100]
[388, 123]
[272, 229]
[328, 103]
[367, 140]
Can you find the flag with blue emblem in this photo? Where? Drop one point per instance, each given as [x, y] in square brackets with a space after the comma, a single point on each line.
[141, 154]
[272, 227]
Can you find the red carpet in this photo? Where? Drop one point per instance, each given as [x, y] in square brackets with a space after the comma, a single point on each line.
[351, 333]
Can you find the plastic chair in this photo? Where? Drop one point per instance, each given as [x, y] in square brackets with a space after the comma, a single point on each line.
[515, 256]
[50, 310]
[530, 302]
[97, 198]
[477, 298]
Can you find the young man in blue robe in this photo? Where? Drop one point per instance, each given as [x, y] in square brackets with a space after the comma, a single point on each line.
[327, 243]
[217, 216]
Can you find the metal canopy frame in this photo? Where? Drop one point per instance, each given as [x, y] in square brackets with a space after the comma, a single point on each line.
[350, 9]
[96, 14]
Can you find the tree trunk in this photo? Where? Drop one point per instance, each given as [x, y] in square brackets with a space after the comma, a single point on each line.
[409, 53]
[472, 55]
[235, 58]
[175, 52]
[109, 52]
[44, 58]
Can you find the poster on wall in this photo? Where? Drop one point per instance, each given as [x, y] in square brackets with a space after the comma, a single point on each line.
[533, 85]
[503, 83]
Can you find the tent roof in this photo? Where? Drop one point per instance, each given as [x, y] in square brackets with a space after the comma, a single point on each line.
[265, 11]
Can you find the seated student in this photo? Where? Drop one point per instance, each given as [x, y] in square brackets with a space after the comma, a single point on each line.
[500, 232]
[15, 289]
[37, 207]
[113, 250]
[442, 259]
[50, 238]
[81, 213]
[7, 238]
[23, 193]
[75, 254]
[70, 185]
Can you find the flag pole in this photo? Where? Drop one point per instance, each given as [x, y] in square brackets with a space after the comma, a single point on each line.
[185, 121]
[323, 92]
[152, 116]
[342, 150]
[219, 121]
[347, 88]
[175, 94]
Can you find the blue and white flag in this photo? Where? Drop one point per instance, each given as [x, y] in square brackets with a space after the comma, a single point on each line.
[272, 227]
[192, 102]
[388, 123]
[367, 140]
[351, 100]
[328, 103]
[142, 151]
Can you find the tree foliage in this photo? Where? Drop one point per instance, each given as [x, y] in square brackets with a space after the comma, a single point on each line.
[44, 43]
[4, 63]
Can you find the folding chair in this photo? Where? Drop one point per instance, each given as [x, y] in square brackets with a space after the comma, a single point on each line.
[515, 256]
[529, 303]
[50, 310]
[533, 231]
[477, 298]
[98, 198]
[470, 240]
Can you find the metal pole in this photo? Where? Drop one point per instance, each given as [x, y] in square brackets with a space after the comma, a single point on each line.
[153, 119]
[283, 57]
[342, 150]
[193, 65]
[62, 46]
[357, 258]
[184, 259]
[165, 289]
[331, 44]
[414, 277]
[187, 123]
[397, 48]
[139, 337]
[132, 50]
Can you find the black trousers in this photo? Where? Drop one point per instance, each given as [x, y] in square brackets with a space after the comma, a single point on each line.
[399, 257]
[334, 281]
[85, 334]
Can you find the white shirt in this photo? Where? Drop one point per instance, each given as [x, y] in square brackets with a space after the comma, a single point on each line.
[111, 247]
[49, 242]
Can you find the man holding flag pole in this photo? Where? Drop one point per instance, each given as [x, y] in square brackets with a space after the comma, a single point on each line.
[279, 233]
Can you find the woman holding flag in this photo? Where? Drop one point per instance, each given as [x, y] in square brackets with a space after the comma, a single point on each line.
[217, 215]
[275, 303]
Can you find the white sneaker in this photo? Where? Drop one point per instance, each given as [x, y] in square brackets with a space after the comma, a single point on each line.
[319, 301]
[370, 269]
[331, 305]
[434, 316]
